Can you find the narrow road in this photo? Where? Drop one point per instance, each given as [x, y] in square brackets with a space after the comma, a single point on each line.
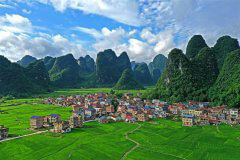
[137, 144]
[9, 139]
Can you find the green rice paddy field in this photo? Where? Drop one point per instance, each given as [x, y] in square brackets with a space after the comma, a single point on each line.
[158, 139]
[68, 92]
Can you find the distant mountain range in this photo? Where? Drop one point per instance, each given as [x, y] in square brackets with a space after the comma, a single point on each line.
[67, 72]
[203, 74]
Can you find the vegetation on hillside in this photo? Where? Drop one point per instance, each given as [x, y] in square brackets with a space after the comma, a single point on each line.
[18, 81]
[224, 45]
[87, 64]
[49, 62]
[110, 67]
[157, 66]
[178, 81]
[198, 78]
[142, 74]
[128, 82]
[226, 90]
[65, 72]
[195, 44]
[39, 74]
[185, 77]
[206, 68]
[26, 60]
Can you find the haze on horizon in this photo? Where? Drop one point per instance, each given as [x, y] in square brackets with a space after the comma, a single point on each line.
[142, 28]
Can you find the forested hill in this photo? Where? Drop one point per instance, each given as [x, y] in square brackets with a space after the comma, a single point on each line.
[203, 74]
[19, 81]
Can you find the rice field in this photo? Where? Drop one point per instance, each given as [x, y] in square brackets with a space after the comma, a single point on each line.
[158, 139]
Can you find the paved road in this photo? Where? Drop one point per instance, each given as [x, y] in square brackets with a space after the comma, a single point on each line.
[9, 139]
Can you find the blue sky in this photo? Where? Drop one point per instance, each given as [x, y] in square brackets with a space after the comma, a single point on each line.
[142, 28]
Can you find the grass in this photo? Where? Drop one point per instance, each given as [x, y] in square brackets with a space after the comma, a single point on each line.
[169, 140]
[17, 113]
[68, 92]
[159, 140]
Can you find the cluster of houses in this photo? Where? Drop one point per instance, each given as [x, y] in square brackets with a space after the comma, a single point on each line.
[55, 124]
[200, 114]
[106, 107]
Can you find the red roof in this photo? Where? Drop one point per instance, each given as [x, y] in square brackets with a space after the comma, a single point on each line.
[128, 117]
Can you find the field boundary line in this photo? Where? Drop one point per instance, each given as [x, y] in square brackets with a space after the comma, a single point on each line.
[136, 143]
[218, 130]
[172, 155]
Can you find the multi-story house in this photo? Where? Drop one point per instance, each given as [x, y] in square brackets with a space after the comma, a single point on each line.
[61, 127]
[76, 121]
[36, 122]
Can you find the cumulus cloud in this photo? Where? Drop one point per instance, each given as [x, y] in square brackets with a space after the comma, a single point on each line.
[124, 11]
[165, 24]
[212, 18]
[15, 46]
[16, 40]
[121, 40]
[15, 23]
[173, 21]
[111, 39]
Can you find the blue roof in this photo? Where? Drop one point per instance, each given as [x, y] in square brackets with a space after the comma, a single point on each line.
[54, 115]
[91, 109]
[103, 117]
[188, 116]
[36, 117]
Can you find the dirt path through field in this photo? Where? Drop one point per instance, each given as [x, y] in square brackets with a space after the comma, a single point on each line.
[137, 144]
[218, 130]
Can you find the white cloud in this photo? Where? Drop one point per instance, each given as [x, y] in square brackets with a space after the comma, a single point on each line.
[91, 31]
[15, 23]
[124, 11]
[17, 40]
[147, 35]
[110, 39]
[133, 32]
[39, 47]
[167, 24]
[212, 18]
[5, 6]
[121, 40]
[26, 11]
[140, 51]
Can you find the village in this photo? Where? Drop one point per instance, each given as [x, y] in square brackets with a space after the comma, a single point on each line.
[107, 108]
